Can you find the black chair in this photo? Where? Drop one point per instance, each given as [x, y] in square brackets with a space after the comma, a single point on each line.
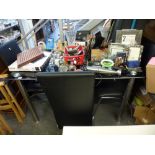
[71, 96]
[110, 91]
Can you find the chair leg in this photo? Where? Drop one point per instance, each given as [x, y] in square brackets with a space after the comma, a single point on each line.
[99, 102]
[15, 101]
[11, 104]
[6, 126]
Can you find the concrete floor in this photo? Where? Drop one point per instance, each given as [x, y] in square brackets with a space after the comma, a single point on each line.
[105, 115]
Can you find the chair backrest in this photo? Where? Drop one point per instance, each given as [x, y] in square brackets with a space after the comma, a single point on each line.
[9, 51]
[71, 96]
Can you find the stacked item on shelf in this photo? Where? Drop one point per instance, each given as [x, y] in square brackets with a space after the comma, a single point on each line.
[8, 30]
[121, 57]
[7, 23]
[132, 39]
[127, 49]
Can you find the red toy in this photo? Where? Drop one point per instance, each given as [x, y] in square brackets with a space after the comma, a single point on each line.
[74, 54]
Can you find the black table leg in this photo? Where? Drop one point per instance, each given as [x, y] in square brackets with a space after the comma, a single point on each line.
[126, 97]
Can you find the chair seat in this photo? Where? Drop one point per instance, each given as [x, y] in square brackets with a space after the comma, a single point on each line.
[111, 95]
[107, 93]
[113, 88]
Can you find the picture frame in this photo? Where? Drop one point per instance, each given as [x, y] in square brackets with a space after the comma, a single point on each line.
[115, 48]
[135, 53]
[129, 36]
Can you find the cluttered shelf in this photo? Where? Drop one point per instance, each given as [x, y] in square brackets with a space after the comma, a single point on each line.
[9, 30]
[119, 63]
[8, 27]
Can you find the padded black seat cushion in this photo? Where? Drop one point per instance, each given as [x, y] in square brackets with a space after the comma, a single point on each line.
[71, 96]
[111, 88]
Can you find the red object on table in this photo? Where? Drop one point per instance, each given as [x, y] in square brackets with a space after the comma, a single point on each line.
[74, 54]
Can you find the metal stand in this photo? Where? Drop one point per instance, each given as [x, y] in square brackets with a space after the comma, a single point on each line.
[30, 106]
[126, 97]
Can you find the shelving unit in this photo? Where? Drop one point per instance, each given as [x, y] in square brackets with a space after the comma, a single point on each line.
[7, 33]
[9, 27]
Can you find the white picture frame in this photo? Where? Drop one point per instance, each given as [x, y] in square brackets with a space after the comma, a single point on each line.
[135, 53]
[114, 48]
[129, 36]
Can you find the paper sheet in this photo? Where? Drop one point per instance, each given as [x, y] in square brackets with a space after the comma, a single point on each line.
[134, 53]
[128, 39]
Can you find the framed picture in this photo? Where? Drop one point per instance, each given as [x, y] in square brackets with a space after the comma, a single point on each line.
[135, 53]
[129, 36]
[115, 48]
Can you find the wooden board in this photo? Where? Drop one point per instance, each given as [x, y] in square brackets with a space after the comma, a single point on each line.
[28, 56]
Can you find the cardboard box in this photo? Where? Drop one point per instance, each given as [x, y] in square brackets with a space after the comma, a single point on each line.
[138, 122]
[153, 108]
[97, 54]
[150, 76]
[144, 115]
[145, 107]
[144, 97]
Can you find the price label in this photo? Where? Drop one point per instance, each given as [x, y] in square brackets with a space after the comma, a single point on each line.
[128, 39]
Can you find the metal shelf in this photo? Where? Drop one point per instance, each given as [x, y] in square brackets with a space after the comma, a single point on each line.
[16, 37]
[9, 27]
